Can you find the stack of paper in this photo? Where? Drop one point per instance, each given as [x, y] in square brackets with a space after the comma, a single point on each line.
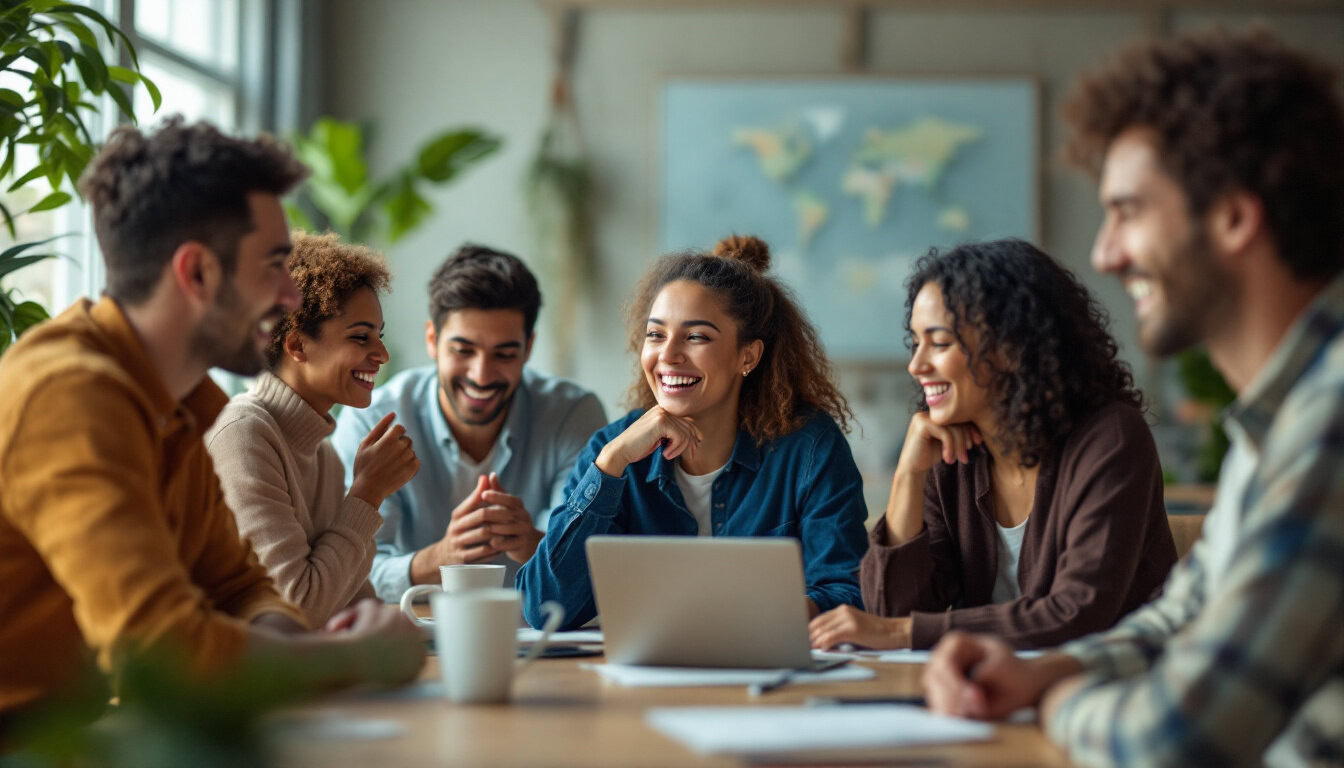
[529, 635]
[906, 656]
[668, 677]
[789, 732]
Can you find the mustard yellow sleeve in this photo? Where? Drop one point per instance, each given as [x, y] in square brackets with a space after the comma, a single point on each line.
[82, 476]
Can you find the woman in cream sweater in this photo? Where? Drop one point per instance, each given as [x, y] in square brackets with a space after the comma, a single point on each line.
[282, 479]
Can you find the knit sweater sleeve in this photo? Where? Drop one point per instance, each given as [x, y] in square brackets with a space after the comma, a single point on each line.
[320, 570]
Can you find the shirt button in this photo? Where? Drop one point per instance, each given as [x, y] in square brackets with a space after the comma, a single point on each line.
[590, 492]
[718, 526]
[719, 505]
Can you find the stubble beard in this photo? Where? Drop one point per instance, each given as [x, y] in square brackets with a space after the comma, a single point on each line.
[1195, 293]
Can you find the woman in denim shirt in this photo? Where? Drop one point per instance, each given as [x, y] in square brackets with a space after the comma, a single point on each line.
[737, 433]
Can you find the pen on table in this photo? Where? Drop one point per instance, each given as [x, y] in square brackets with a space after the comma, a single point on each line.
[756, 689]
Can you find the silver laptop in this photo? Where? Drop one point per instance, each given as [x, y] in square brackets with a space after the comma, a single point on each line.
[701, 602]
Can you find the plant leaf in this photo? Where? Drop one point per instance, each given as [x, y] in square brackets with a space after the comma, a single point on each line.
[28, 314]
[54, 200]
[23, 261]
[449, 153]
[342, 143]
[123, 101]
[405, 209]
[298, 218]
[36, 173]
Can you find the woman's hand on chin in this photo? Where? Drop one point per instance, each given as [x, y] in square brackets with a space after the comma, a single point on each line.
[848, 624]
[656, 428]
[926, 443]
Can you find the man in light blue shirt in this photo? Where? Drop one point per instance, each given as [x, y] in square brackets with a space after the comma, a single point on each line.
[496, 440]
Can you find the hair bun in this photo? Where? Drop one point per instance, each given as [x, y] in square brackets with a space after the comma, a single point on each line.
[745, 248]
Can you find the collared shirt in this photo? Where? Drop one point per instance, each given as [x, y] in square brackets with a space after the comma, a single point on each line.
[804, 485]
[548, 422]
[114, 535]
[1241, 661]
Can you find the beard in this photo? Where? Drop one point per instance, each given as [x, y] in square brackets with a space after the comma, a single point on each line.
[1194, 290]
[475, 418]
[225, 336]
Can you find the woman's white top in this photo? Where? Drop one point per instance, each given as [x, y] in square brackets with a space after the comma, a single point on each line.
[696, 491]
[1006, 587]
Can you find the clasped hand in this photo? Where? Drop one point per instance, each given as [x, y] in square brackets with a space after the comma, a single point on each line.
[487, 522]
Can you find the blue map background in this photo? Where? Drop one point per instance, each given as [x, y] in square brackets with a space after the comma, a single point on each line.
[850, 276]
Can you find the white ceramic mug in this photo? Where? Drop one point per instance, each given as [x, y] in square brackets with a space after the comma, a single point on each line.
[453, 578]
[476, 636]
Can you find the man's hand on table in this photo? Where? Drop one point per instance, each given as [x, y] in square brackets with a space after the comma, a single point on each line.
[980, 677]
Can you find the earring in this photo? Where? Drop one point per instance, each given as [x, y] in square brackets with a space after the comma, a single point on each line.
[744, 373]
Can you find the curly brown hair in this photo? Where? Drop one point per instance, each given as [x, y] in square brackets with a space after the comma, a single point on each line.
[1231, 111]
[151, 193]
[794, 378]
[327, 272]
[1041, 336]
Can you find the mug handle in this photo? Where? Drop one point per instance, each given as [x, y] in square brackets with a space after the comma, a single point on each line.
[555, 614]
[409, 596]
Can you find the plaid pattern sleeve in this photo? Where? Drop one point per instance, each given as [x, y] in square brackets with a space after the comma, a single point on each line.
[1245, 666]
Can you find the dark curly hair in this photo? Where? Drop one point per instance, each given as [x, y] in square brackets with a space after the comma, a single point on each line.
[794, 378]
[1231, 111]
[327, 272]
[151, 193]
[1042, 337]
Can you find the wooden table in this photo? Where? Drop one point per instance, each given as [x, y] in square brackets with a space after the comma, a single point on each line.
[564, 715]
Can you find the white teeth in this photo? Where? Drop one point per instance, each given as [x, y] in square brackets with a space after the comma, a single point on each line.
[1139, 289]
[364, 376]
[266, 325]
[478, 394]
[678, 381]
[936, 389]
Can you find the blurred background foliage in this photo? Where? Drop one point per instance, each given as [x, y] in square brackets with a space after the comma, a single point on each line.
[341, 196]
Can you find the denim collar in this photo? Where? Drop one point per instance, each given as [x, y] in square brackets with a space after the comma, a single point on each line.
[746, 455]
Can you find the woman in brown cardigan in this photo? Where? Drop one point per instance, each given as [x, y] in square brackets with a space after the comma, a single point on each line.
[1027, 501]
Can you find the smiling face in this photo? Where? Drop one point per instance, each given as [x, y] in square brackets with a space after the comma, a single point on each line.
[480, 355]
[942, 366]
[691, 357]
[1150, 241]
[236, 329]
[339, 365]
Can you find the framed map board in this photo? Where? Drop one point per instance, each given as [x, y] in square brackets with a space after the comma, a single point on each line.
[849, 180]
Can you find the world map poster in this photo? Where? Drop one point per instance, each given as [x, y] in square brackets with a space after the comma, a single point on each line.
[849, 181]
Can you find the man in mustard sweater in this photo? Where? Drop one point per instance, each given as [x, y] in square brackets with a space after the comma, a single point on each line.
[114, 536]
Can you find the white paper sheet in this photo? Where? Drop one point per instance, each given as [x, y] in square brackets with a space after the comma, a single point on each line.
[530, 635]
[669, 677]
[897, 657]
[785, 730]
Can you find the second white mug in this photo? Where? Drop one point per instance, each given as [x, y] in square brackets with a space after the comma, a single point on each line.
[453, 579]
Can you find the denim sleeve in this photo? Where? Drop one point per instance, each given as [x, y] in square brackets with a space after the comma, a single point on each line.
[559, 569]
[832, 523]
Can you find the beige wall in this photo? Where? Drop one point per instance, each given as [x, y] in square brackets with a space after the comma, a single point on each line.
[417, 66]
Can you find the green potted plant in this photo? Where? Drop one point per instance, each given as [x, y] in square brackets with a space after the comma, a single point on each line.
[56, 48]
[341, 196]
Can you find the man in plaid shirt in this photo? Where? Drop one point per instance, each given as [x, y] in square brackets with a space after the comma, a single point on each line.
[1221, 160]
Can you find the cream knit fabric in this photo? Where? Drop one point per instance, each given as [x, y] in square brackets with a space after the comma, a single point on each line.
[286, 487]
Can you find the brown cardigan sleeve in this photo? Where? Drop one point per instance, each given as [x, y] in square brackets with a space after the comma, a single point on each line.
[919, 575]
[1107, 522]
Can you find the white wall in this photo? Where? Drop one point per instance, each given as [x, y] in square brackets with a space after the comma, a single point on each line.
[418, 66]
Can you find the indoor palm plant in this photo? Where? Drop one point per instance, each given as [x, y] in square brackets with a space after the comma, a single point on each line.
[54, 74]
